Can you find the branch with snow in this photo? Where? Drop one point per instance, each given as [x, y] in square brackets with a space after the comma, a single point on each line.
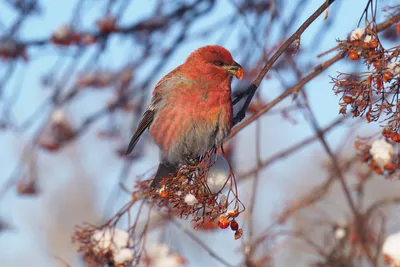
[391, 250]
[160, 255]
[114, 241]
[382, 152]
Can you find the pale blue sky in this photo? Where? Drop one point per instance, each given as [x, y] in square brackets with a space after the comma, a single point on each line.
[55, 170]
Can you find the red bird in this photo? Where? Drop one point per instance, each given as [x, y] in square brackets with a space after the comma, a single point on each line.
[191, 109]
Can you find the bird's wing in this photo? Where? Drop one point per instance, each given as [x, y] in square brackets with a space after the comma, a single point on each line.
[171, 80]
[144, 123]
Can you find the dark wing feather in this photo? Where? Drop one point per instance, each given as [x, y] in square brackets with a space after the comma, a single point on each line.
[148, 116]
[144, 123]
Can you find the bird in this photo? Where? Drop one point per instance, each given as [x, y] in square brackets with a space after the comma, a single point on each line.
[191, 109]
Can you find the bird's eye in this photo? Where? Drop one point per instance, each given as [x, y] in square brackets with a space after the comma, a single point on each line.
[219, 63]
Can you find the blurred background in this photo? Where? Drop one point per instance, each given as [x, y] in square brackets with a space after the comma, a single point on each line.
[76, 75]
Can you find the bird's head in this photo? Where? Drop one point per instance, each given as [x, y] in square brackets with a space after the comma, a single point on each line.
[216, 61]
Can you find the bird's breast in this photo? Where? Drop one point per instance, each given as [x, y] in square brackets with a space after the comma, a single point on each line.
[193, 123]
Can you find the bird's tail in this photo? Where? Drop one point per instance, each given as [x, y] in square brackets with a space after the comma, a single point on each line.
[164, 170]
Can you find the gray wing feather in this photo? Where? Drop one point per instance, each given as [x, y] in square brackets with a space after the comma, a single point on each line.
[144, 123]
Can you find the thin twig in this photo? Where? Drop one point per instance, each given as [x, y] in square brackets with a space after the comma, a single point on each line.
[295, 36]
[200, 242]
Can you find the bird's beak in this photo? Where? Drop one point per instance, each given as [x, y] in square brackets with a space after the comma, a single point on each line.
[236, 70]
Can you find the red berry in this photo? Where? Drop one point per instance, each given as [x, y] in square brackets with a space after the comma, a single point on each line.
[353, 55]
[386, 132]
[163, 194]
[389, 166]
[373, 44]
[234, 225]
[377, 64]
[378, 170]
[387, 77]
[223, 222]
[347, 99]
[395, 137]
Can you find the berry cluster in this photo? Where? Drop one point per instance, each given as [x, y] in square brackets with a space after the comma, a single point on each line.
[374, 92]
[192, 192]
[379, 156]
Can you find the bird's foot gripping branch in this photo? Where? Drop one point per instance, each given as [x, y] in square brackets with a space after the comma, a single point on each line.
[209, 198]
[200, 192]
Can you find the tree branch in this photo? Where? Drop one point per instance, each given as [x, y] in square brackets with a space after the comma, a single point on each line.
[295, 36]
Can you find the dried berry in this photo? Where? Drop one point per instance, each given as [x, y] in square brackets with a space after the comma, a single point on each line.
[238, 234]
[234, 225]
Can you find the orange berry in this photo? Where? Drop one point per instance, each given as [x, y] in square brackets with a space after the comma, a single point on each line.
[378, 170]
[353, 55]
[386, 132]
[356, 42]
[387, 259]
[398, 29]
[234, 225]
[163, 194]
[365, 45]
[387, 76]
[223, 224]
[373, 43]
[377, 64]
[357, 144]
[389, 166]
[347, 99]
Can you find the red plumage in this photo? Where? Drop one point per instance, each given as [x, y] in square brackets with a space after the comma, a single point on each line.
[191, 108]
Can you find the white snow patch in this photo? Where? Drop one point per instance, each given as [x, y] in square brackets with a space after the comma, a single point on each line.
[114, 240]
[391, 248]
[191, 200]
[394, 67]
[160, 255]
[381, 152]
[356, 34]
